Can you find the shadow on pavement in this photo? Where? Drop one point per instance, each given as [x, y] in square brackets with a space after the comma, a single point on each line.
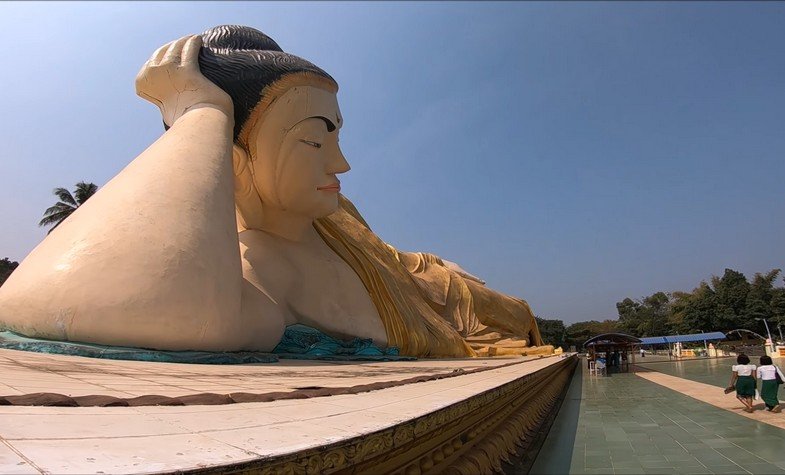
[555, 453]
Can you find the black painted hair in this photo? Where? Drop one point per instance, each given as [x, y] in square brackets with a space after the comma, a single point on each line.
[765, 360]
[243, 61]
[743, 359]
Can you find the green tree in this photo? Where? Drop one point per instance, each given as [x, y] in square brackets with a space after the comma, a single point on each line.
[67, 203]
[657, 308]
[731, 293]
[758, 303]
[629, 315]
[677, 317]
[552, 331]
[579, 332]
[701, 308]
[727, 303]
[6, 267]
[646, 317]
[777, 305]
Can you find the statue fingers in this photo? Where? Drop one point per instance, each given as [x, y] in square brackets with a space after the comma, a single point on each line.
[172, 80]
[175, 51]
[190, 52]
[155, 59]
[144, 80]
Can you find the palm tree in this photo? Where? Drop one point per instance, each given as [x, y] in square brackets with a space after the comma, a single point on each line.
[67, 204]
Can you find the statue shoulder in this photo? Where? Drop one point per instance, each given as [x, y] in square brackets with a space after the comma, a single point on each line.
[266, 261]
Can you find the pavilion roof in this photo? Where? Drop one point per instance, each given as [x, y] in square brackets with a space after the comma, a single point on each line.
[612, 339]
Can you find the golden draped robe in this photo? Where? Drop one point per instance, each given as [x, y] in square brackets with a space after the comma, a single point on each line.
[427, 308]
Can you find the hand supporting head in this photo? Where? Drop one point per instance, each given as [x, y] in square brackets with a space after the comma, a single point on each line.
[286, 154]
[254, 70]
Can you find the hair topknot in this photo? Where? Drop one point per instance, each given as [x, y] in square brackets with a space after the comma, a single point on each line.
[243, 61]
[235, 37]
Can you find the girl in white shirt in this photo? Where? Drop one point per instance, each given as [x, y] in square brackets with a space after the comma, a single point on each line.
[744, 381]
[768, 383]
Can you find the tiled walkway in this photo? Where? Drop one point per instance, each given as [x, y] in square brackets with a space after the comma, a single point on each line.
[714, 371]
[714, 396]
[626, 424]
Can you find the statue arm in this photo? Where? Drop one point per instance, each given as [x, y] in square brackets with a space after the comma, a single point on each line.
[417, 262]
[152, 259]
[460, 271]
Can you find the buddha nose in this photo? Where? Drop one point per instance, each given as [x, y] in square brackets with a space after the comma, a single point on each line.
[338, 163]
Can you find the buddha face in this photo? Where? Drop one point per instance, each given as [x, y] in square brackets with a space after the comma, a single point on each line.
[295, 155]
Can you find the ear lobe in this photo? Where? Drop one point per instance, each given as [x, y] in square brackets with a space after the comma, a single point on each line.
[247, 200]
[239, 160]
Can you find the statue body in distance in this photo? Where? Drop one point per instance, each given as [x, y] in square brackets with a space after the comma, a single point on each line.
[231, 226]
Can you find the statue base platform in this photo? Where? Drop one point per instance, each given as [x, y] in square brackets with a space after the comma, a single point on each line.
[70, 414]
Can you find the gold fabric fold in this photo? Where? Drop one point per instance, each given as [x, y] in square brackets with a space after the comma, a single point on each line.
[427, 309]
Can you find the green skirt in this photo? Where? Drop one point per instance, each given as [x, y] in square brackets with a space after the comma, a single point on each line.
[745, 386]
[768, 392]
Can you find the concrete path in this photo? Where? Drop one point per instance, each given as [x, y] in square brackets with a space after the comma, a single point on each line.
[148, 439]
[625, 423]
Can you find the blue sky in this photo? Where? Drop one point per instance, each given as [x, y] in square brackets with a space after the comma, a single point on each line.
[572, 154]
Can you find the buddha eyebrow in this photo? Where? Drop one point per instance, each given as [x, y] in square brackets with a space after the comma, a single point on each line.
[330, 125]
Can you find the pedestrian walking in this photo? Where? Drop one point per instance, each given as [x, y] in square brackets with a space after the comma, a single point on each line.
[743, 381]
[770, 379]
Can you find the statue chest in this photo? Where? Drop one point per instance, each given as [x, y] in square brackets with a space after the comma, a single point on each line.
[312, 285]
[327, 293]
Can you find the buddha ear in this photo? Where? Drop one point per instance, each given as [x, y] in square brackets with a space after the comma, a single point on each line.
[246, 198]
[239, 159]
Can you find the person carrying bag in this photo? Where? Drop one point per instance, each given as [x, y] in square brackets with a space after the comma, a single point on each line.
[743, 380]
[770, 377]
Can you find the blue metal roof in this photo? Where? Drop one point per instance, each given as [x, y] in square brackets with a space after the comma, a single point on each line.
[664, 340]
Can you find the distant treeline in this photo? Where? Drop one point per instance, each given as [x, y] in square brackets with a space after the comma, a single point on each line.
[720, 304]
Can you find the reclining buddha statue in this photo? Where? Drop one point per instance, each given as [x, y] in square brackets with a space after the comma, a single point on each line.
[231, 227]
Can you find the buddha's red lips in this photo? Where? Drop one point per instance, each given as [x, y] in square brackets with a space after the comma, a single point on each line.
[336, 187]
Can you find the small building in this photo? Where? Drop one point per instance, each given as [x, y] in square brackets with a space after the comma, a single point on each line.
[616, 351]
[674, 343]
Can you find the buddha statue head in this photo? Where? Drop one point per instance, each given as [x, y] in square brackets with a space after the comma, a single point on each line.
[286, 154]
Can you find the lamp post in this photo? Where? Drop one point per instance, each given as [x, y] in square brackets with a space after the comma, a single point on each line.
[771, 340]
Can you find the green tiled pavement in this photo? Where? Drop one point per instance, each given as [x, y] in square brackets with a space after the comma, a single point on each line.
[714, 371]
[626, 424]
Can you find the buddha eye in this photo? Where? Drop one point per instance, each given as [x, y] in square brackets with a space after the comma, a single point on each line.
[312, 144]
